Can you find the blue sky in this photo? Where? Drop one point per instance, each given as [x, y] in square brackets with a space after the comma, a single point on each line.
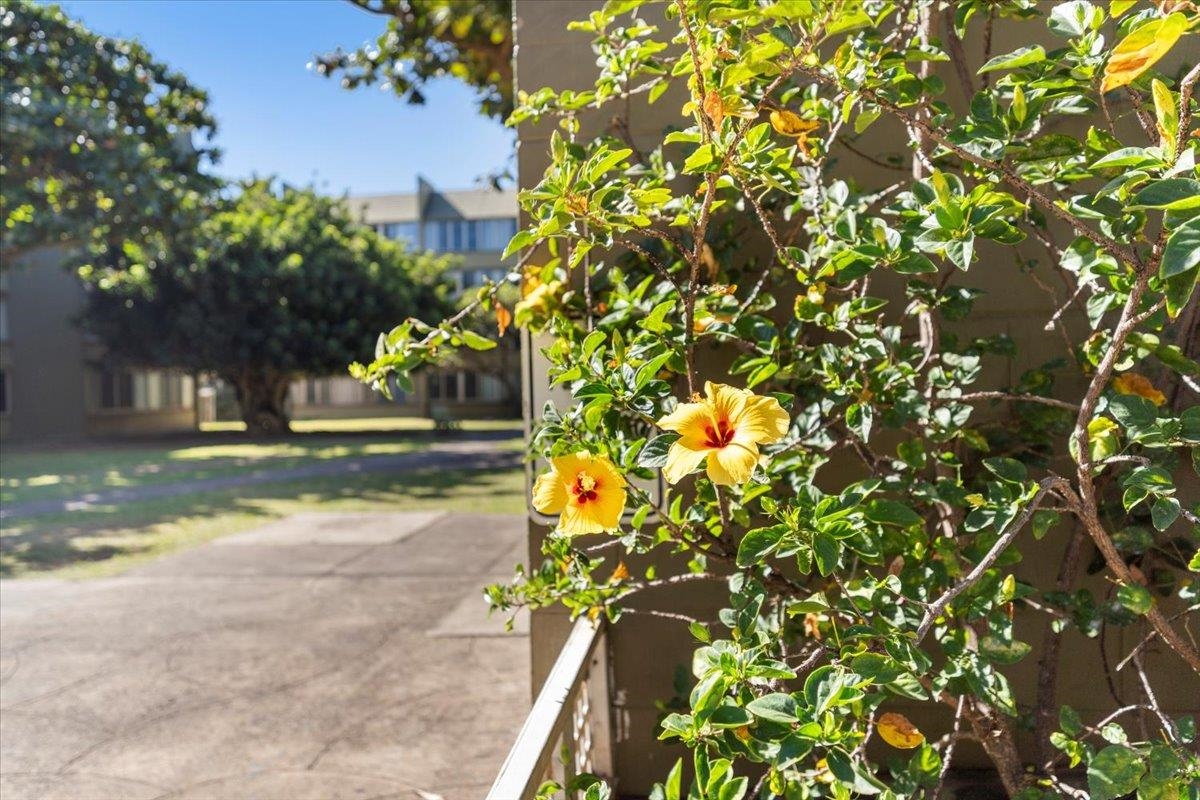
[276, 116]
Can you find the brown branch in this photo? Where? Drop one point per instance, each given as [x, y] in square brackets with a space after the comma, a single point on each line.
[1018, 398]
[1088, 510]
[938, 606]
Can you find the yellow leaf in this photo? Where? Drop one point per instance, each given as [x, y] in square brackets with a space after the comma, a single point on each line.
[897, 731]
[620, 573]
[1138, 51]
[1133, 383]
[1165, 114]
[503, 318]
[787, 123]
[714, 107]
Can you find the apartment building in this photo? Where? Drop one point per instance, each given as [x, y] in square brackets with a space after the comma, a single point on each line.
[473, 225]
[55, 382]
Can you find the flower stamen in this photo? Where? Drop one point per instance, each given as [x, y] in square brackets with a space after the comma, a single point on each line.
[584, 488]
[719, 436]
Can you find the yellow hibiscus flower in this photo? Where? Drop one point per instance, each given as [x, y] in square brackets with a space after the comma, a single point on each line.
[585, 490]
[537, 301]
[725, 427]
[1133, 383]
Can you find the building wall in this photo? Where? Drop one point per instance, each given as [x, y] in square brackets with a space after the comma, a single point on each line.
[646, 651]
[43, 354]
[52, 374]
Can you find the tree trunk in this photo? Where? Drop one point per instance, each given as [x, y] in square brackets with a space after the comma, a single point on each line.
[261, 396]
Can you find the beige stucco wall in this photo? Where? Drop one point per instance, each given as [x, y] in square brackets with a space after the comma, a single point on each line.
[646, 650]
[44, 351]
[50, 364]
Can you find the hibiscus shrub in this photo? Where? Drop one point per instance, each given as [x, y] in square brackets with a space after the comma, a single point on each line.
[792, 351]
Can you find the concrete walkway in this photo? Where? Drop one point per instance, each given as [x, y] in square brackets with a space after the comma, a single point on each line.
[465, 454]
[321, 657]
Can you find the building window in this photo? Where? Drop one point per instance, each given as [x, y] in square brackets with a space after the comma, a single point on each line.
[493, 234]
[406, 231]
[144, 390]
[463, 236]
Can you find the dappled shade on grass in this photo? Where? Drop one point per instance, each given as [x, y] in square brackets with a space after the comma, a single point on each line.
[108, 539]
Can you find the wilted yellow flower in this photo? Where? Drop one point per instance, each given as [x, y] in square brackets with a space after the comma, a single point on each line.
[1133, 383]
[585, 490]
[725, 427]
[537, 301]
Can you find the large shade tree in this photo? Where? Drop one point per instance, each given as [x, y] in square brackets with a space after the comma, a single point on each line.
[102, 143]
[426, 39]
[279, 282]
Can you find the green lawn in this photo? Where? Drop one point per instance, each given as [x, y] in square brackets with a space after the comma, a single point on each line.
[103, 540]
[28, 475]
[370, 424]
[109, 539]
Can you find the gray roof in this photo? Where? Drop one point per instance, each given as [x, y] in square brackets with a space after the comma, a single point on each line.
[453, 204]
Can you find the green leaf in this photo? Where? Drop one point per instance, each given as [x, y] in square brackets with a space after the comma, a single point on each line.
[1017, 58]
[1164, 512]
[1007, 469]
[776, 707]
[730, 716]
[654, 453]
[593, 389]
[891, 512]
[758, 543]
[654, 321]
[522, 239]
[477, 342]
[1134, 597]
[1171, 194]
[1127, 157]
[1136, 414]
[1115, 771]
[826, 551]
[1069, 721]
[1179, 289]
[1003, 652]
[699, 160]
[1182, 253]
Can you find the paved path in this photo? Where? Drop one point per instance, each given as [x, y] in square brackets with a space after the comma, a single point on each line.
[321, 657]
[462, 454]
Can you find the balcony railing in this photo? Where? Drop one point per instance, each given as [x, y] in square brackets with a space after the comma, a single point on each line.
[569, 730]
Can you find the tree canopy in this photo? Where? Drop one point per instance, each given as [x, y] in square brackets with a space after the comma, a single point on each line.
[426, 39]
[279, 282]
[102, 143]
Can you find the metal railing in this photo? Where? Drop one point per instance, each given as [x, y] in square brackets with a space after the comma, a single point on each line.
[568, 732]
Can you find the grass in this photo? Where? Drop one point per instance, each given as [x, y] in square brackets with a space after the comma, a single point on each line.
[367, 424]
[106, 540]
[103, 540]
[31, 475]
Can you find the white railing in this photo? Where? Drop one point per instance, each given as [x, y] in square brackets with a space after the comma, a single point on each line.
[568, 732]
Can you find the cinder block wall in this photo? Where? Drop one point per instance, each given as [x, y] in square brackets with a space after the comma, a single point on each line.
[646, 651]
